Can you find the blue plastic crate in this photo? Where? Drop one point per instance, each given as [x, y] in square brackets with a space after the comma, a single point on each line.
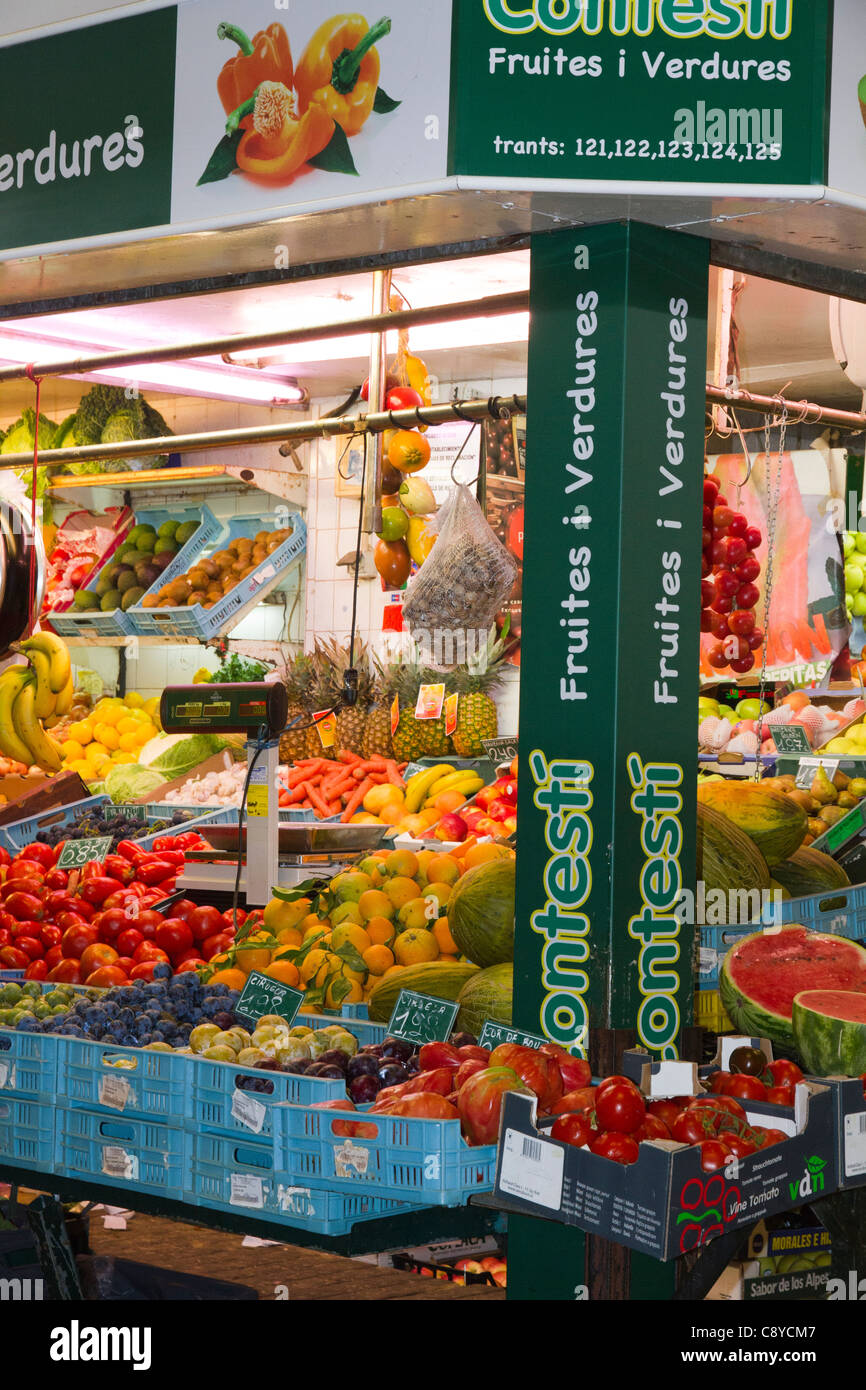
[205, 623]
[428, 1160]
[363, 1030]
[28, 1064]
[15, 836]
[839, 911]
[216, 816]
[124, 1080]
[232, 1175]
[27, 1132]
[239, 1101]
[116, 623]
[140, 1154]
[19, 833]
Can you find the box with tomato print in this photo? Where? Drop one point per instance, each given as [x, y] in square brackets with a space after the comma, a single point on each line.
[99, 925]
[666, 1167]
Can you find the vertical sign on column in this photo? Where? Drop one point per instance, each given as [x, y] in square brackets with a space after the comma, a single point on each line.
[612, 598]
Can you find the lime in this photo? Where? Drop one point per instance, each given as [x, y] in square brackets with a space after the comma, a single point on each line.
[395, 524]
[31, 988]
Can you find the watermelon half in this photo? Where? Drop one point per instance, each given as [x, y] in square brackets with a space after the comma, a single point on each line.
[762, 973]
[830, 1031]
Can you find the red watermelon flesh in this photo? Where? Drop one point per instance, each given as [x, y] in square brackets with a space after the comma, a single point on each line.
[763, 972]
[849, 1005]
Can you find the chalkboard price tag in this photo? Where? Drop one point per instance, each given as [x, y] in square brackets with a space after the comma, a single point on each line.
[493, 1034]
[791, 738]
[76, 853]
[419, 1018]
[262, 995]
[136, 813]
[500, 750]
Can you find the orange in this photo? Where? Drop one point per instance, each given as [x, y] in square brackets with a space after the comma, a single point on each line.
[442, 868]
[289, 936]
[484, 853]
[284, 971]
[414, 946]
[312, 963]
[279, 914]
[401, 890]
[333, 965]
[381, 931]
[314, 927]
[450, 960]
[444, 940]
[334, 1001]
[235, 979]
[251, 955]
[440, 891]
[424, 856]
[392, 970]
[352, 933]
[378, 959]
[448, 801]
[284, 953]
[375, 903]
[391, 814]
[222, 959]
[418, 914]
[401, 863]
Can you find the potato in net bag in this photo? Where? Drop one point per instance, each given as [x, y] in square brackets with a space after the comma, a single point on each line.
[468, 574]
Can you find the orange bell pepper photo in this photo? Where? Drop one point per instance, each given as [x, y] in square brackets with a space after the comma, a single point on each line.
[275, 143]
[339, 70]
[267, 57]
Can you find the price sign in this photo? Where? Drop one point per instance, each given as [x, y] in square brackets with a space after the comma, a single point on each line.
[844, 830]
[492, 1034]
[791, 738]
[76, 853]
[262, 995]
[419, 1018]
[500, 750]
[136, 813]
[809, 766]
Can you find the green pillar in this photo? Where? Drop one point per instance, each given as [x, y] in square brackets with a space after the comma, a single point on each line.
[611, 598]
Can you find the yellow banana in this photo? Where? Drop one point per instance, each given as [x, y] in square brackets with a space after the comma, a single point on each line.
[65, 698]
[466, 789]
[419, 786]
[12, 746]
[44, 750]
[459, 781]
[58, 654]
[46, 700]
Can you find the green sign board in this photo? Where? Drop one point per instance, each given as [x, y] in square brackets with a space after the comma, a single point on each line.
[419, 1018]
[608, 774]
[76, 853]
[492, 1034]
[641, 91]
[791, 738]
[262, 995]
[86, 142]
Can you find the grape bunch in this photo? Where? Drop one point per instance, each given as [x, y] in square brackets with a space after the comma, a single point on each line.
[728, 589]
[99, 822]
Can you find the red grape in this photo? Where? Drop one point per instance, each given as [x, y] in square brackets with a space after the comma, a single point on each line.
[756, 640]
[735, 550]
[753, 537]
[721, 501]
[722, 518]
[737, 648]
[739, 525]
[707, 539]
[708, 592]
[708, 516]
[742, 622]
[706, 620]
[722, 605]
[718, 624]
[705, 566]
[720, 551]
[711, 490]
[748, 570]
[747, 596]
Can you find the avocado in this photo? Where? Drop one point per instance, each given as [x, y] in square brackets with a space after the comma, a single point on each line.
[127, 580]
[166, 546]
[185, 531]
[168, 529]
[85, 600]
[132, 596]
[111, 600]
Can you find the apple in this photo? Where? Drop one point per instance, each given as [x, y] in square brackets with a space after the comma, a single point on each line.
[451, 827]
[860, 541]
[849, 544]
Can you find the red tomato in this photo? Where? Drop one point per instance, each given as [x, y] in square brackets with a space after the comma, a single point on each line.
[5, 857]
[30, 884]
[785, 1073]
[717, 1082]
[620, 1107]
[621, 1148]
[713, 1155]
[174, 936]
[53, 956]
[76, 941]
[60, 901]
[31, 946]
[117, 867]
[95, 956]
[228, 923]
[666, 1110]
[572, 1129]
[746, 1087]
[403, 398]
[188, 965]
[147, 951]
[110, 923]
[13, 959]
[470, 1067]
[97, 889]
[5, 937]
[204, 922]
[738, 1144]
[719, 1104]
[105, 976]
[651, 1128]
[582, 1099]
[65, 920]
[124, 963]
[575, 1071]
[692, 1127]
[25, 868]
[7, 921]
[144, 920]
[56, 879]
[43, 854]
[780, 1095]
[36, 970]
[50, 935]
[129, 941]
[24, 907]
[215, 945]
[771, 1136]
[614, 1081]
[66, 972]
[143, 970]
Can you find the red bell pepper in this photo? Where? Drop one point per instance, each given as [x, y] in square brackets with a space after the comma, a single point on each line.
[153, 870]
[131, 851]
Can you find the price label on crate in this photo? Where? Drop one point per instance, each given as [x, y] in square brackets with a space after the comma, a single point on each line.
[419, 1018]
[791, 738]
[809, 766]
[261, 995]
[136, 813]
[76, 853]
[500, 750]
[492, 1034]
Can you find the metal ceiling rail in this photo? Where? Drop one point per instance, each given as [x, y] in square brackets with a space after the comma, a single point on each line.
[495, 407]
[798, 412]
[493, 306]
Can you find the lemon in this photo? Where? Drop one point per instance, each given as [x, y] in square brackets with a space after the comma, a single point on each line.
[129, 742]
[95, 748]
[134, 700]
[201, 676]
[98, 762]
[82, 767]
[81, 731]
[107, 735]
[144, 735]
[127, 725]
[71, 751]
[151, 706]
[122, 758]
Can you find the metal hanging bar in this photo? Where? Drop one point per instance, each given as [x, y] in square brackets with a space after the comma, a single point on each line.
[325, 428]
[805, 412]
[492, 307]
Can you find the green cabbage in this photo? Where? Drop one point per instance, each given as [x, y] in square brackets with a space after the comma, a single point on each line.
[129, 782]
[175, 755]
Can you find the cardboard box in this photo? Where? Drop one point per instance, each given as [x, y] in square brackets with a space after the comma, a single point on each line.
[788, 1259]
[665, 1205]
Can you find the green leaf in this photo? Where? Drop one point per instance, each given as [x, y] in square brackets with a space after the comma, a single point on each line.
[223, 161]
[350, 956]
[313, 996]
[383, 103]
[339, 988]
[336, 157]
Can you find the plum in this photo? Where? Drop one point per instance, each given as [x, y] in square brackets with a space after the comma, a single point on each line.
[463, 1040]
[362, 1065]
[396, 1049]
[334, 1057]
[364, 1088]
[321, 1070]
[393, 1074]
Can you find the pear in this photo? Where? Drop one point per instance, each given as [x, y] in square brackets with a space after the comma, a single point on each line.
[822, 788]
[857, 787]
[847, 801]
[416, 496]
[831, 814]
[840, 781]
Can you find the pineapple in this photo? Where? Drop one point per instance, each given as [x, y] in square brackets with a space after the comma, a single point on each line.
[377, 730]
[476, 712]
[325, 686]
[417, 738]
[297, 680]
[352, 721]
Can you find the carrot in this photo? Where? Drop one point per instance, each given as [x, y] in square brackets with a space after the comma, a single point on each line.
[393, 775]
[300, 774]
[307, 804]
[319, 804]
[295, 796]
[355, 799]
[346, 755]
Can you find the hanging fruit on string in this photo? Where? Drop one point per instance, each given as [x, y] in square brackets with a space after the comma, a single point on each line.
[729, 593]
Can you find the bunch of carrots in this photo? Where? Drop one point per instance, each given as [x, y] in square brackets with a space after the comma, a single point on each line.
[338, 787]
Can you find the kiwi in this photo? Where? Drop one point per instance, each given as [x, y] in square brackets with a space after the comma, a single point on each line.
[132, 596]
[85, 600]
[185, 531]
[110, 600]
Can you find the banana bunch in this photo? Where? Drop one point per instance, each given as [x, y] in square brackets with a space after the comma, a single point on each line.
[30, 694]
[426, 785]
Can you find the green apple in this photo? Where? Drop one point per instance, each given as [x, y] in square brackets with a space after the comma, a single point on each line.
[858, 607]
[849, 544]
[707, 707]
[725, 712]
[860, 541]
[752, 709]
[853, 577]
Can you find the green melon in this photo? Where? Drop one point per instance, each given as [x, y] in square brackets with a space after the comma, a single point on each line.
[830, 1031]
[486, 996]
[775, 822]
[810, 871]
[763, 972]
[730, 863]
[481, 913]
[441, 979]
